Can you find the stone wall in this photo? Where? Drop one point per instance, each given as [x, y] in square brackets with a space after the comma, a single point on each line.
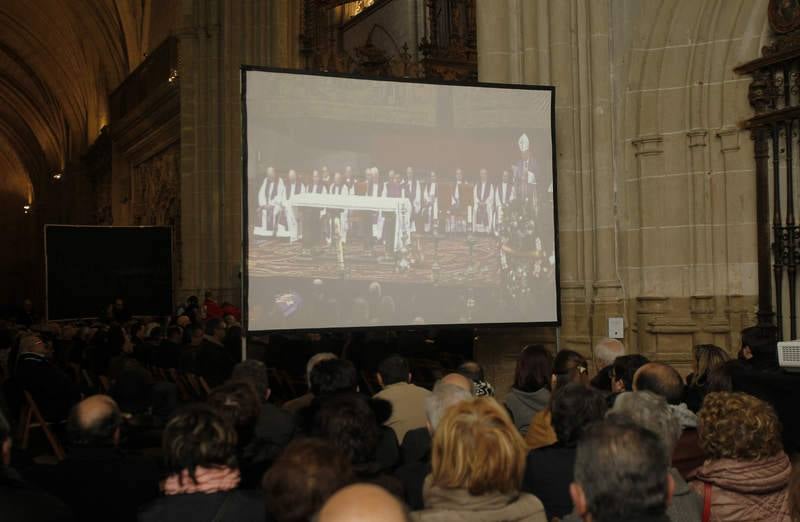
[656, 181]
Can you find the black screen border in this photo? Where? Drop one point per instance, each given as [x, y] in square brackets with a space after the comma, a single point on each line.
[244, 69]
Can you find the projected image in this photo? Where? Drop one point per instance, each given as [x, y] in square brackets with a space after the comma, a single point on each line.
[375, 203]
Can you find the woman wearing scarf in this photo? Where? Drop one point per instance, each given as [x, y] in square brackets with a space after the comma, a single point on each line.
[199, 448]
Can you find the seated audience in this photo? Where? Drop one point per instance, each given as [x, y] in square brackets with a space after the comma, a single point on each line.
[142, 350]
[240, 404]
[721, 378]
[407, 399]
[295, 405]
[19, 500]
[530, 393]
[652, 412]
[746, 473]
[705, 359]
[605, 353]
[303, 477]
[209, 360]
[362, 503]
[549, 470]
[52, 389]
[622, 372]
[275, 427]
[97, 480]
[664, 381]
[212, 308]
[477, 464]
[569, 367]
[202, 481]
[621, 475]
[474, 372]
[417, 454]
[353, 423]
[794, 495]
[168, 354]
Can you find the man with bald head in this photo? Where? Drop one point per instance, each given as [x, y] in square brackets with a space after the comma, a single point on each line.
[362, 503]
[98, 480]
[665, 381]
[452, 389]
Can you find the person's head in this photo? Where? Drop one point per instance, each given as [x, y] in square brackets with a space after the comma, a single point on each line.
[621, 472]
[623, 371]
[292, 176]
[443, 396]
[199, 436]
[255, 373]
[433, 177]
[337, 178]
[393, 369]
[303, 477]
[456, 379]
[195, 334]
[606, 351]
[27, 305]
[409, 173]
[362, 503]
[138, 331]
[476, 447]
[459, 175]
[569, 367]
[95, 422]
[661, 379]
[721, 378]
[215, 328]
[313, 361]
[651, 412]
[474, 372]
[5, 441]
[333, 376]
[175, 334]
[240, 404]
[575, 406]
[32, 344]
[506, 176]
[119, 303]
[315, 177]
[738, 426]
[524, 144]
[183, 320]
[534, 367]
[484, 175]
[271, 173]
[705, 358]
[759, 346]
[209, 295]
[348, 421]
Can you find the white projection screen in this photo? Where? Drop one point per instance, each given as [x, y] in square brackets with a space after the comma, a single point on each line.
[394, 203]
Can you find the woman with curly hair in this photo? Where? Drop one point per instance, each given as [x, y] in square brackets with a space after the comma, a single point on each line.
[746, 472]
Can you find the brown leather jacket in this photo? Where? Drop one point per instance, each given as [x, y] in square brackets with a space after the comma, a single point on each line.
[751, 490]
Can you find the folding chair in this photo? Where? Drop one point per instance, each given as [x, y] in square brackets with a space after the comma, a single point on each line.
[31, 417]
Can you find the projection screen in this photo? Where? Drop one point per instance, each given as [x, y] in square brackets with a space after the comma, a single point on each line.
[396, 203]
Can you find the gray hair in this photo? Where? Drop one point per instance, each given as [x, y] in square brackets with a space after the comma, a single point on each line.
[315, 360]
[615, 452]
[606, 350]
[651, 412]
[444, 395]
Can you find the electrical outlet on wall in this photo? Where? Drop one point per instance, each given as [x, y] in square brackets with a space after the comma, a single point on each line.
[616, 328]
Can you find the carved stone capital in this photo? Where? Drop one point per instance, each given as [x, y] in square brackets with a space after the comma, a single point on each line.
[729, 139]
[697, 138]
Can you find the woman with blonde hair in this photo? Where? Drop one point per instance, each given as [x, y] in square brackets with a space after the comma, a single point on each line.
[706, 358]
[477, 461]
[746, 472]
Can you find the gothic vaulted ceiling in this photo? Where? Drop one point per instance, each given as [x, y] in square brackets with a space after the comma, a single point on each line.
[59, 59]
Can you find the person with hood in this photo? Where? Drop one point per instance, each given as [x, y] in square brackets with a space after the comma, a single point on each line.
[746, 474]
[530, 393]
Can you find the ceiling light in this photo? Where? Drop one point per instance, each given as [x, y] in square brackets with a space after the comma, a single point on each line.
[57, 176]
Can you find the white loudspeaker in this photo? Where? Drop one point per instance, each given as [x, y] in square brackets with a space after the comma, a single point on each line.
[789, 355]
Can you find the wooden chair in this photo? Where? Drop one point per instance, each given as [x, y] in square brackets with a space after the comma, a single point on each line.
[31, 417]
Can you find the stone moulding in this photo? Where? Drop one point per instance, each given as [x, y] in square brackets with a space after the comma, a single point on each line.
[649, 145]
